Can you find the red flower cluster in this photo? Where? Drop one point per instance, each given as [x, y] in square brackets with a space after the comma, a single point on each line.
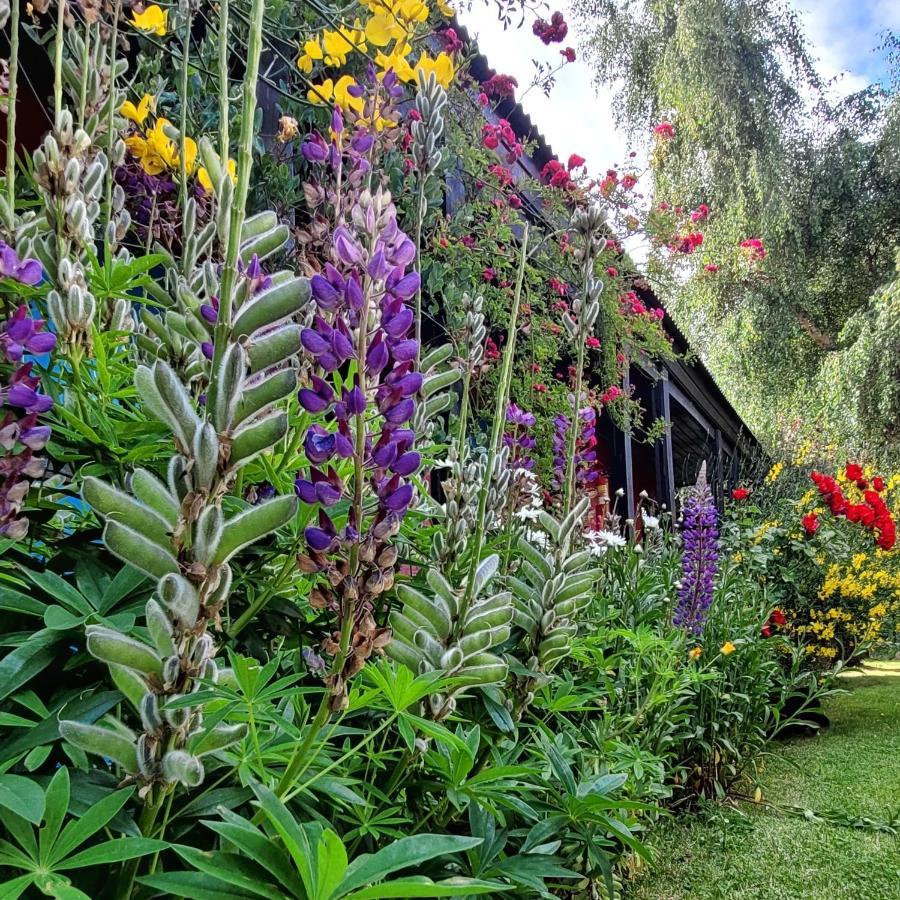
[557, 286]
[503, 175]
[552, 32]
[700, 214]
[711, 267]
[568, 54]
[611, 394]
[776, 620]
[665, 130]
[810, 523]
[450, 40]
[872, 513]
[500, 86]
[754, 249]
[629, 181]
[687, 243]
[493, 135]
[740, 493]
[575, 162]
[556, 175]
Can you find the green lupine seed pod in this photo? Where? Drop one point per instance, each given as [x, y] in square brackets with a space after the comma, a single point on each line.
[102, 742]
[186, 769]
[154, 494]
[160, 628]
[112, 647]
[253, 524]
[271, 306]
[138, 551]
[257, 437]
[263, 393]
[217, 738]
[180, 598]
[115, 504]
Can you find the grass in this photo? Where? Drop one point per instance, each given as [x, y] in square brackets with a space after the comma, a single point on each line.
[759, 854]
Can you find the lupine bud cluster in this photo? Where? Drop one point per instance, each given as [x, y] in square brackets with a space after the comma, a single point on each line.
[21, 434]
[700, 554]
[587, 225]
[550, 588]
[174, 529]
[427, 127]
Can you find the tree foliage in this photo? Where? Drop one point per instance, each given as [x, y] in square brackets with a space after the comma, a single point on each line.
[776, 154]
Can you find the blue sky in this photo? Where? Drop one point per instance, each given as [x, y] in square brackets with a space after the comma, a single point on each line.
[577, 119]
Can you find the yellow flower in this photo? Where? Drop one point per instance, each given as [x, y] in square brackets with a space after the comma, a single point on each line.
[774, 472]
[441, 65]
[383, 28]
[397, 62]
[328, 90]
[153, 20]
[206, 181]
[727, 648]
[139, 113]
[445, 8]
[312, 51]
[695, 652]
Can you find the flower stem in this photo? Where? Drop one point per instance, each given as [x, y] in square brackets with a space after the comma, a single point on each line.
[57, 67]
[499, 419]
[11, 107]
[421, 206]
[223, 80]
[239, 202]
[571, 468]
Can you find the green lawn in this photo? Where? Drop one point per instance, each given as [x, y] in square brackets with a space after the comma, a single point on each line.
[853, 766]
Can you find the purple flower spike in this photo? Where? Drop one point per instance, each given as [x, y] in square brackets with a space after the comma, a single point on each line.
[326, 294]
[356, 402]
[337, 121]
[400, 412]
[377, 357]
[385, 455]
[406, 286]
[305, 490]
[700, 537]
[314, 342]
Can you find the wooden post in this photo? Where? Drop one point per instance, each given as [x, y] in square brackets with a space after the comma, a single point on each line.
[665, 464]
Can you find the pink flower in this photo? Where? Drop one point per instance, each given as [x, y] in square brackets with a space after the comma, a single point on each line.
[500, 86]
[700, 214]
[568, 55]
[450, 40]
[754, 249]
[611, 395]
[629, 181]
[575, 162]
[515, 201]
[551, 32]
[592, 343]
[711, 267]
[612, 271]
[489, 275]
[665, 131]
[483, 99]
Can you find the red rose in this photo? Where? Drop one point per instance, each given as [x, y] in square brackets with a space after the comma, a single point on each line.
[766, 631]
[777, 618]
[878, 483]
[853, 472]
[810, 523]
[740, 493]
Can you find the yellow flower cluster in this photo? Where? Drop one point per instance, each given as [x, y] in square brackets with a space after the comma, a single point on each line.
[156, 150]
[774, 472]
[763, 529]
[390, 31]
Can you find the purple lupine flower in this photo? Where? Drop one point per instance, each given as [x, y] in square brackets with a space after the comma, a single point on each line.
[25, 271]
[700, 554]
[586, 470]
[517, 438]
[21, 438]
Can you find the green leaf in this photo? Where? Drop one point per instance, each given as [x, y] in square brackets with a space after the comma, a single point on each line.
[424, 887]
[56, 807]
[23, 663]
[23, 796]
[112, 852]
[232, 868]
[60, 590]
[10, 890]
[79, 830]
[13, 601]
[405, 852]
[331, 865]
[195, 885]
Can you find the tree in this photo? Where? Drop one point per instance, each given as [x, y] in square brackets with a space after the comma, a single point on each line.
[761, 140]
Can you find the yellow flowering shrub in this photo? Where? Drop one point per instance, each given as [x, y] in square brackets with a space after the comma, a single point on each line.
[840, 594]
